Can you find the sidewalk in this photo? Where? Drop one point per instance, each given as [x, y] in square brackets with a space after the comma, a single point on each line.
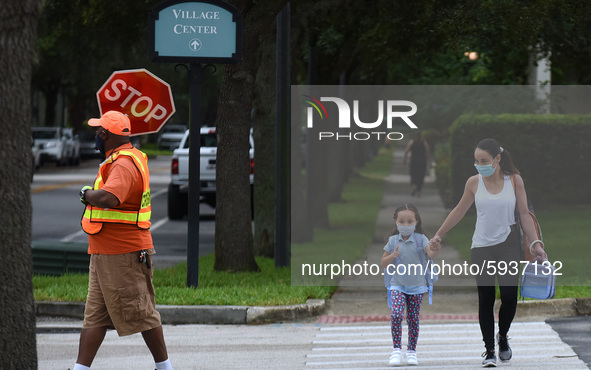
[454, 298]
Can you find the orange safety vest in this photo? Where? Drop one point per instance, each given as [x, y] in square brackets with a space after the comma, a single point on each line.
[94, 217]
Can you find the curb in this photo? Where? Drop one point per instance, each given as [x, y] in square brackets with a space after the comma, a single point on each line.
[560, 307]
[245, 315]
[207, 314]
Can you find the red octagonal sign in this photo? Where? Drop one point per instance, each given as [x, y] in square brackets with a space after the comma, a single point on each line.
[145, 98]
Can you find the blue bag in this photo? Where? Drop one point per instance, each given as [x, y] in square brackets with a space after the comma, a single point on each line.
[538, 281]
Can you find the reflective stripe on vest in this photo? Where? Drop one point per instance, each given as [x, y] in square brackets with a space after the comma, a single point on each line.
[94, 217]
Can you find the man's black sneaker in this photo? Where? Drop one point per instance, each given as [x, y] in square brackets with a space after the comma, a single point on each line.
[490, 360]
[505, 352]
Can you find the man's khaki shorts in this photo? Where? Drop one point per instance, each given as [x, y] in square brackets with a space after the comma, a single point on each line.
[121, 294]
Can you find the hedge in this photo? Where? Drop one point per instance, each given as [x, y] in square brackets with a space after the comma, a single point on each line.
[552, 152]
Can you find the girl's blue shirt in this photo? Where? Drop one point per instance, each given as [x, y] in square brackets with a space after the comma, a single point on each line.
[410, 281]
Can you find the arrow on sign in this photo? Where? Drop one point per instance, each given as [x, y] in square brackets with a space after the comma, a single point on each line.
[195, 44]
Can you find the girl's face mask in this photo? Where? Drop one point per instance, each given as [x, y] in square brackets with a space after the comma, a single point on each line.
[405, 230]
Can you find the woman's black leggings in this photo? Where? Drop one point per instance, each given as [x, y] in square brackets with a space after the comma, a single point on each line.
[508, 252]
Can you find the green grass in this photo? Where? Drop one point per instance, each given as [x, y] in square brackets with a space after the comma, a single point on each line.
[270, 287]
[564, 230]
[64, 288]
[151, 150]
[352, 228]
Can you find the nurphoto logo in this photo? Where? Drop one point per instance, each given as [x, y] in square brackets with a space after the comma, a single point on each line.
[391, 108]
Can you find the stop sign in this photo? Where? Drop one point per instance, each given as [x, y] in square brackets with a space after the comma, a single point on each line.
[145, 98]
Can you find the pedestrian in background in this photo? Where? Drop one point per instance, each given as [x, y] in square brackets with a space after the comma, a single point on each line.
[496, 239]
[420, 159]
[117, 221]
[406, 288]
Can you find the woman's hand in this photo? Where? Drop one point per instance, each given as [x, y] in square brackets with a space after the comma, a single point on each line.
[436, 239]
[538, 251]
[433, 248]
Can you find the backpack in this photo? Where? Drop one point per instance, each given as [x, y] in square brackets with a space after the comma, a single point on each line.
[430, 277]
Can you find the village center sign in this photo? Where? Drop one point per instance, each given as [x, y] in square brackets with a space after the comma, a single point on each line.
[197, 33]
[208, 31]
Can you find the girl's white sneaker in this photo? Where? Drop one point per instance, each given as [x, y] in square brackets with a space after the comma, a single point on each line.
[395, 357]
[411, 358]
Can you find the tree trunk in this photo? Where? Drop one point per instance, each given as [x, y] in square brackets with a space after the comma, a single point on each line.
[301, 226]
[18, 27]
[264, 143]
[316, 166]
[233, 228]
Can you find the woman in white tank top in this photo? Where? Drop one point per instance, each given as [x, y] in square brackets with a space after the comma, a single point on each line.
[496, 239]
[495, 213]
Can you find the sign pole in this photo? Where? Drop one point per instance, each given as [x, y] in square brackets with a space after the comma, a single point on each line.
[283, 142]
[194, 32]
[195, 82]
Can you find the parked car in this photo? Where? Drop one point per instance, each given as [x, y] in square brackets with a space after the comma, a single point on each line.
[87, 145]
[35, 155]
[57, 144]
[170, 137]
[72, 145]
[178, 188]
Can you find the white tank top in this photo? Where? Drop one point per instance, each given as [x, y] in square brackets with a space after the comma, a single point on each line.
[495, 213]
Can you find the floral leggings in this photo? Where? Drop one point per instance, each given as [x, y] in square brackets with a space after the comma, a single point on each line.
[413, 303]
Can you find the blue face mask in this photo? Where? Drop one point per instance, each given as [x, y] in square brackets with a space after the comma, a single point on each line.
[99, 144]
[405, 230]
[486, 170]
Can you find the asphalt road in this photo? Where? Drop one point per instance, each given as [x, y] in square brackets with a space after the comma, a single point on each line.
[576, 332]
[57, 210]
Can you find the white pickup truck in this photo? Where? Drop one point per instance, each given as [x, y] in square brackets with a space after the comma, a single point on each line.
[57, 144]
[178, 188]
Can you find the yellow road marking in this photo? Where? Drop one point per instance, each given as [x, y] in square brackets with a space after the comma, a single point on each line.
[56, 186]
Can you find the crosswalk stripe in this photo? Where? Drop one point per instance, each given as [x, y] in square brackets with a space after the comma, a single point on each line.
[431, 347]
[430, 352]
[571, 365]
[424, 346]
[434, 327]
[453, 345]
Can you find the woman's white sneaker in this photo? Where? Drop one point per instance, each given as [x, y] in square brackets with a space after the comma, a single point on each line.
[411, 358]
[395, 357]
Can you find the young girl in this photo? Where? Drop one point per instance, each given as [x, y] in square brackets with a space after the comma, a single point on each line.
[495, 240]
[408, 288]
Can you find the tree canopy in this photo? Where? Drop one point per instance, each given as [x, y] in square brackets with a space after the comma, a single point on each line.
[80, 43]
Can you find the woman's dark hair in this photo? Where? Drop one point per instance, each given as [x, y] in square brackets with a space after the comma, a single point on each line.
[409, 207]
[492, 147]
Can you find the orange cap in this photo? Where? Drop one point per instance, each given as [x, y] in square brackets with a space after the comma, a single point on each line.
[114, 122]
